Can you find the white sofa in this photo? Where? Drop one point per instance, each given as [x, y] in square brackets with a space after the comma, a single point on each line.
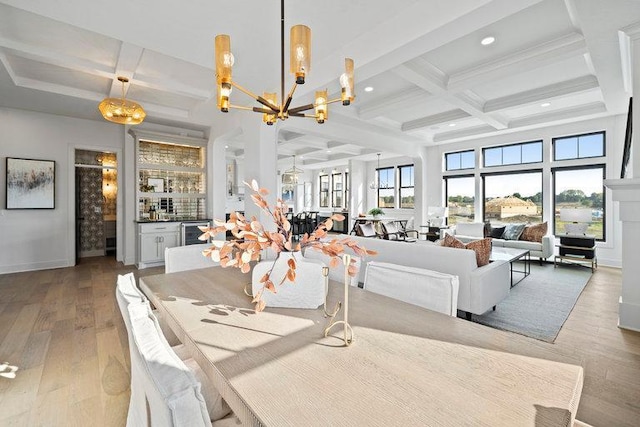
[480, 288]
[468, 231]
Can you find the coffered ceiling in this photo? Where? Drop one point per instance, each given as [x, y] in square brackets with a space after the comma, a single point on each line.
[553, 61]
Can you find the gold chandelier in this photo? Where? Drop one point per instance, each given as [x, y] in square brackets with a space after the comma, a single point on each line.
[121, 110]
[300, 64]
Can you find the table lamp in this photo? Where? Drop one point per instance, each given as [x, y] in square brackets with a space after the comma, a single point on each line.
[436, 215]
[576, 220]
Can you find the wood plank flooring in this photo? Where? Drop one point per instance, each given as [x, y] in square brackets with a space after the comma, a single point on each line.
[63, 332]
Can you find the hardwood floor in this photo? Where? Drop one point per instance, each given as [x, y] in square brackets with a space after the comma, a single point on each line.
[63, 332]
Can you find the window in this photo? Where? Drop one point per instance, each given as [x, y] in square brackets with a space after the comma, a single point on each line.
[513, 197]
[406, 187]
[324, 191]
[514, 154]
[580, 187]
[336, 190]
[461, 160]
[386, 188]
[460, 193]
[346, 190]
[579, 146]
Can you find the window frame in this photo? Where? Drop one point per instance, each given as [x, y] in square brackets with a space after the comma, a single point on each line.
[602, 166]
[446, 191]
[320, 179]
[446, 162]
[511, 172]
[346, 190]
[502, 164]
[334, 191]
[604, 146]
[401, 187]
[393, 186]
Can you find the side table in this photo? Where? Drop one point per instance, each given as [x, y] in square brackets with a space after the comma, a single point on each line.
[578, 250]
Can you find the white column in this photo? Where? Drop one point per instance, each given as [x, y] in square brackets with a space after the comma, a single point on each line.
[260, 156]
[421, 193]
[357, 189]
[627, 193]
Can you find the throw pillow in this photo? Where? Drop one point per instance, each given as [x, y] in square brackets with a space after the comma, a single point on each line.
[534, 233]
[451, 242]
[497, 232]
[482, 249]
[513, 231]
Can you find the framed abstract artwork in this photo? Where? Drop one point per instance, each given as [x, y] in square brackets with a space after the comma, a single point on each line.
[30, 184]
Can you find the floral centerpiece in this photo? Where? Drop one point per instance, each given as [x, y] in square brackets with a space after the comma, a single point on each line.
[250, 238]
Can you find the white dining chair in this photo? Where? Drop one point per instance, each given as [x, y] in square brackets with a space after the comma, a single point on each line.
[182, 258]
[335, 273]
[425, 288]
[174, 396]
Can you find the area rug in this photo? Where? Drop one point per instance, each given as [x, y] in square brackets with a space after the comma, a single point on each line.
[538, 306]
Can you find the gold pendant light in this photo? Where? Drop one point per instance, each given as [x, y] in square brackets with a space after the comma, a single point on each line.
[121, 110]
[299, 66]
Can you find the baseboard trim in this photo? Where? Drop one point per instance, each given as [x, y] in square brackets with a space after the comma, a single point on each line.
[34, 266]
[628, 315]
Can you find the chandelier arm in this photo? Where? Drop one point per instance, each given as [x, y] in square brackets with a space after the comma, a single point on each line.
[297, 110]
[258, 98]
[286, 104]
[241, 107]
[334, 100]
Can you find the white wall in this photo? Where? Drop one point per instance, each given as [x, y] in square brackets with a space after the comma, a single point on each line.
[39, 239]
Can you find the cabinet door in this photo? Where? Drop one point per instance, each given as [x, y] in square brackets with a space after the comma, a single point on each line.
[169, 240]
[150, 245]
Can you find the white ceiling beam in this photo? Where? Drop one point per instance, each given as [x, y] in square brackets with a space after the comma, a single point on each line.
[447, 116]
[59, 89]
[403, 100]
[126, 65]
[535, 57]
[569, 113]
[48, 56]
[569, 87]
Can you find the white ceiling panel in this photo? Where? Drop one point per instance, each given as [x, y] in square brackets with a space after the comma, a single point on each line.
[556, 105]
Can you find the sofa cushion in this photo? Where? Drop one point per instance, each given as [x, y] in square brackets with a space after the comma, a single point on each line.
[475, 229]
[522, 244]
[534, 232]
[513, 231]
[496, 232]
[481, 247]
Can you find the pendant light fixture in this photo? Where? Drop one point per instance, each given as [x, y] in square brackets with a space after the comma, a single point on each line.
[374, 184]
[290, 176]
[299, 66]
[122, 110]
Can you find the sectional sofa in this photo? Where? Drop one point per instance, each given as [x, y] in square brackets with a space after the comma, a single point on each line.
[468, 231]
[481, 288]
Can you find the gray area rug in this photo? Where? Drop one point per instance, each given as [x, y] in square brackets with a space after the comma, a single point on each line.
[538, 306]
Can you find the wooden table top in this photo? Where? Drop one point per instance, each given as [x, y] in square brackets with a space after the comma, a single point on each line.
[407, 366]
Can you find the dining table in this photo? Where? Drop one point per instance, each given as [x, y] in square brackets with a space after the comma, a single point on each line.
[406, 366]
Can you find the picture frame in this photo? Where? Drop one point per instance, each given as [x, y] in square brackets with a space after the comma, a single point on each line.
[157, 184]
[30, 183]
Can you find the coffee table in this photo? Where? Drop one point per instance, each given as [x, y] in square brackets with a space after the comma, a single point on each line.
[511, 255]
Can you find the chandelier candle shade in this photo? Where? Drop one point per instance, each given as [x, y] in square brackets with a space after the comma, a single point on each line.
[122, 110]
[299, 66]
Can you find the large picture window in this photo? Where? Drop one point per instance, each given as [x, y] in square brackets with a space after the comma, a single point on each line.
[386, 188]
[460, 194]
[580, 187]
[460, 160]
[513, 197]
[336, 190]
[513, 154]
[324, 191]
[579, 146]
[407, 198]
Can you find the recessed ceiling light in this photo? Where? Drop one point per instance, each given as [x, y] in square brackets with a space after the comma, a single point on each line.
[328, 151]
[226, 146]
[487, 41]
[545, 104]
[452, 125]
[302, 157]
[368, 89]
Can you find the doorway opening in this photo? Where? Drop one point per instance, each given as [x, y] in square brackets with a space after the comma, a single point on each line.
[95, 203]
